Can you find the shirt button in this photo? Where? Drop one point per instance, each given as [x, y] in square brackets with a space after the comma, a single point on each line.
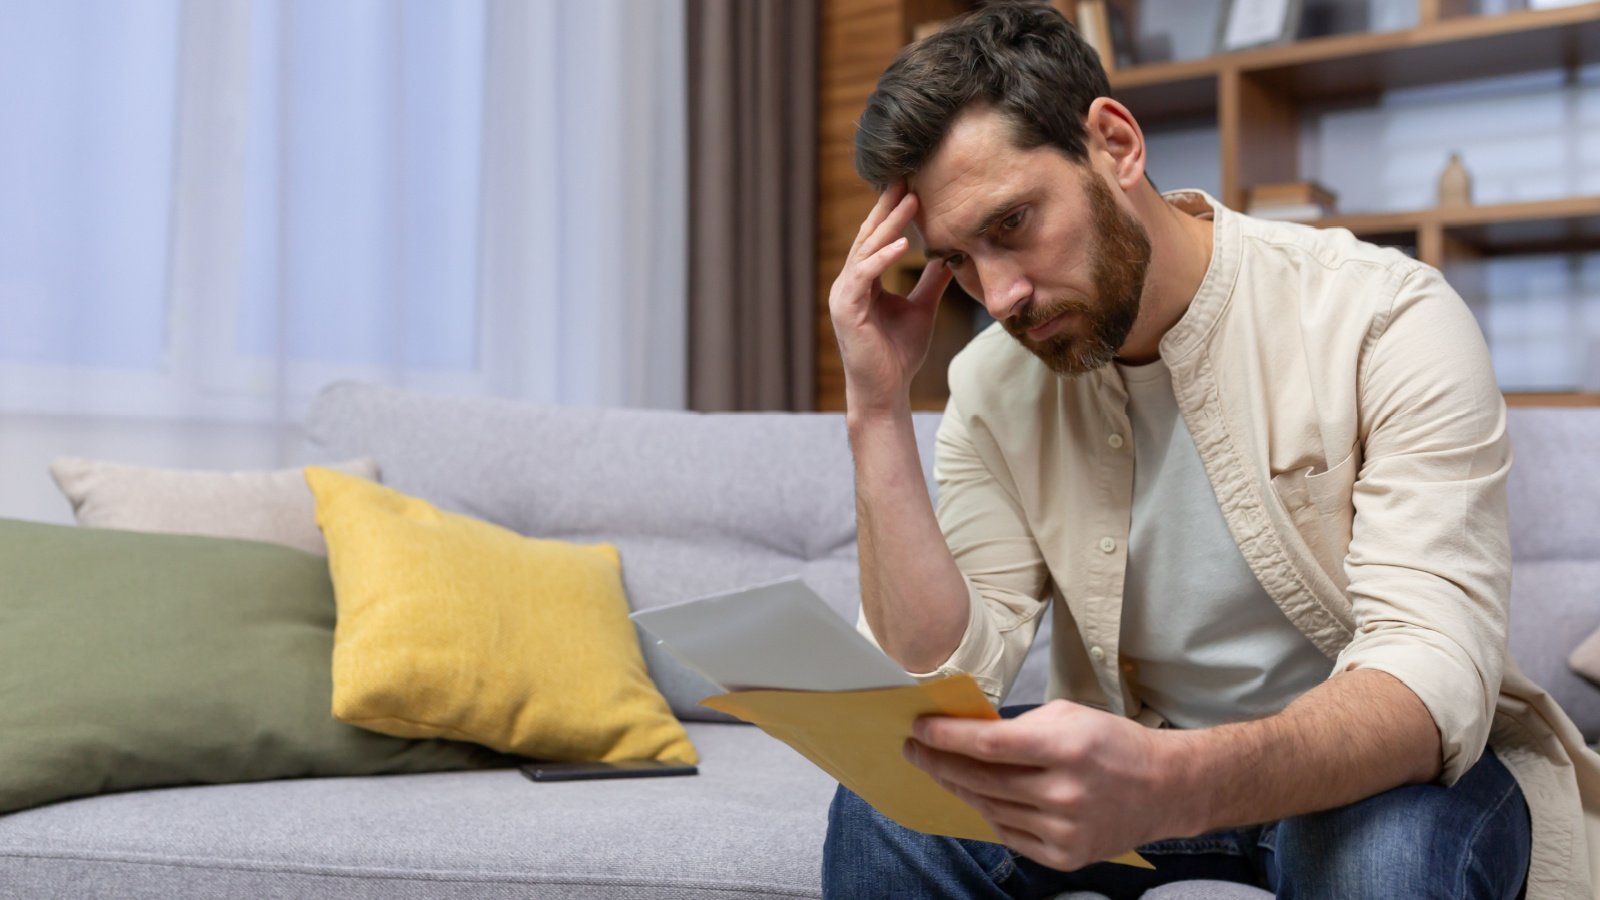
[1098, 653]
[1107, 544]
[1115, 441]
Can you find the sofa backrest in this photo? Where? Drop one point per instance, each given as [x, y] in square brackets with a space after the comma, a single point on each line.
[1554, 495]
[696, 503]
[704, 503]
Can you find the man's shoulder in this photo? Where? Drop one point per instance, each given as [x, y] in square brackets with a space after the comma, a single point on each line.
[993, 367]
[1325, 264]
[1001, 389]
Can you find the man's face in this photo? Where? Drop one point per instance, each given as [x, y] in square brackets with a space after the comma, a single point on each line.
[1038, 240]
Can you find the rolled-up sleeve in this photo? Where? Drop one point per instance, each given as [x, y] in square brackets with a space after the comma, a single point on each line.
[1006, 577]
[1430, 556]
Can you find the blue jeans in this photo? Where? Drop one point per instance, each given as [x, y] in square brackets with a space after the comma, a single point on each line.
[1470, 840]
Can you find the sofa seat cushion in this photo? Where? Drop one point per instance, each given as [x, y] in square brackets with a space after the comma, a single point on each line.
[750, 825]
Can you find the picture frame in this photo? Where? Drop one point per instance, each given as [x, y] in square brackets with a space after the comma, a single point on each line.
[1257, 23]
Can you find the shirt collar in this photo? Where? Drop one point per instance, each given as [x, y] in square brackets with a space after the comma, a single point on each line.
[1205, 309]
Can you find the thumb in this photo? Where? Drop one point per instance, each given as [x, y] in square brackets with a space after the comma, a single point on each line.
[930, 287]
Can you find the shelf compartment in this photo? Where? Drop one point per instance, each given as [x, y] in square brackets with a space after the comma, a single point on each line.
[1352, 65]
[1565, 225]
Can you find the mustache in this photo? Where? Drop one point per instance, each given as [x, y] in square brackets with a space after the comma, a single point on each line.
[1036, 313]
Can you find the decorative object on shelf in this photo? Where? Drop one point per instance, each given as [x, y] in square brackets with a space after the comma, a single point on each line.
[1553, 4]
[1253, 23]
[1455, 184]
[1094, 23]
[1296, 200]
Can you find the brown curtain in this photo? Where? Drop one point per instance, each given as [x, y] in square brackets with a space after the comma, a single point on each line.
[752, 203]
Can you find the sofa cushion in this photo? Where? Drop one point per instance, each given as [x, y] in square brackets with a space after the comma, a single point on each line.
[695, 503]
[135, 660]
[260, 506]
[749, 825]
[452, 627]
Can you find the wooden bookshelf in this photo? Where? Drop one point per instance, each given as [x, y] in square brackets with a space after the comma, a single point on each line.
[1507, 229]
[1554, 398]
[1358, 65]
[1255, 99]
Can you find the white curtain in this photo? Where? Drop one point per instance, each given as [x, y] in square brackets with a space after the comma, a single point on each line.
[211, 208]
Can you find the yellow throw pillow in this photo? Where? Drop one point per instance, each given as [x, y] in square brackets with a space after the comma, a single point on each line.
[452, 627]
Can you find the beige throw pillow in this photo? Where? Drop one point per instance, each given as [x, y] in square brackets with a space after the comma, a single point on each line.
[273, 506]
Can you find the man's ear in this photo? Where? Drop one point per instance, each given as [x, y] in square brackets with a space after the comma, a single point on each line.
[1114, 133]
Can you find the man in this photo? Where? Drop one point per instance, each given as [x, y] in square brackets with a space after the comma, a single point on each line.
[1258, 471]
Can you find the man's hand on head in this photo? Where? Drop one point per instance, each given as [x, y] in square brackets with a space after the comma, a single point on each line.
[1064, 785]
[883, 336]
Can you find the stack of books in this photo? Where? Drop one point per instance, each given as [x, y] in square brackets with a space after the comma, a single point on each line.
[1295, 200]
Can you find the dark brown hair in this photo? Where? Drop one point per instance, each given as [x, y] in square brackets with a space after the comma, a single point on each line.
[1022, 59]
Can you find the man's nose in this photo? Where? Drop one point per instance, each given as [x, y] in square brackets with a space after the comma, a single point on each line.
[1004, 288]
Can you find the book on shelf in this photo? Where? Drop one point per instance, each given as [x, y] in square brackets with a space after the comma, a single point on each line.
[1094, 23]
[1291, 200]
[1122, 32]
[1293, 212]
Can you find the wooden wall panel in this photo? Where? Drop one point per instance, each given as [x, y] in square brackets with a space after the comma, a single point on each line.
[859, 38]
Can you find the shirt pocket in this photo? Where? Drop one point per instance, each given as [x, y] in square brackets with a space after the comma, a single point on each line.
[1322, 508]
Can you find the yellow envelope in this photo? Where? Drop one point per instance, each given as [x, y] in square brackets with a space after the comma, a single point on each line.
[856, 737]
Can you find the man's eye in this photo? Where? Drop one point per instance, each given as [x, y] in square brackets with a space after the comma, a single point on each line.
[1011, 221]
[954, 260]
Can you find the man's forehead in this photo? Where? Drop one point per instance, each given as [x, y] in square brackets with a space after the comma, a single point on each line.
[953, 205]
[976, 166]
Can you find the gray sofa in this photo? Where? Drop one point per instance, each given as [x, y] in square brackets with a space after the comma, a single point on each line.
[697, 504]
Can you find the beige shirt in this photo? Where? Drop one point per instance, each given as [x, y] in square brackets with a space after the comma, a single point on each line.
[1202, 643]
[1342, 402]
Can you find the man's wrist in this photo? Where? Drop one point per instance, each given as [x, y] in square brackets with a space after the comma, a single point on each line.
[864, 414]
[1187, 791]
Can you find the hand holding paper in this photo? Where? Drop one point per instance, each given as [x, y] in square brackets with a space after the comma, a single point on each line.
[1065, 784]
[824, 690]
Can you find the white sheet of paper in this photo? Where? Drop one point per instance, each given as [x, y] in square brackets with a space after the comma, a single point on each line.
[778, 636]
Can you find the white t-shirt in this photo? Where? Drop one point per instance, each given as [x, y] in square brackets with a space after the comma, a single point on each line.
[1206, 643]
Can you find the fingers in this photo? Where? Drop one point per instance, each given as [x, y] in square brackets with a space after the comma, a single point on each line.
[886, 202]
[873, 267]
[1031, 832]
[966, 776]
[1026, 829]
[892, 227]
[1014, 741]
[1038, 849]
[930, 287]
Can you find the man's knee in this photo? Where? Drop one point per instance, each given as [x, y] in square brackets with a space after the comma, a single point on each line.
[867, 854]
[860, 846]
[1467, 841]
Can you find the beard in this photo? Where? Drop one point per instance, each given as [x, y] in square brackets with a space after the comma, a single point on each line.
[1119, 258]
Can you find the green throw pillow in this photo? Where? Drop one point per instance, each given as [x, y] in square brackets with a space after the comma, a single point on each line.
[131, 660]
